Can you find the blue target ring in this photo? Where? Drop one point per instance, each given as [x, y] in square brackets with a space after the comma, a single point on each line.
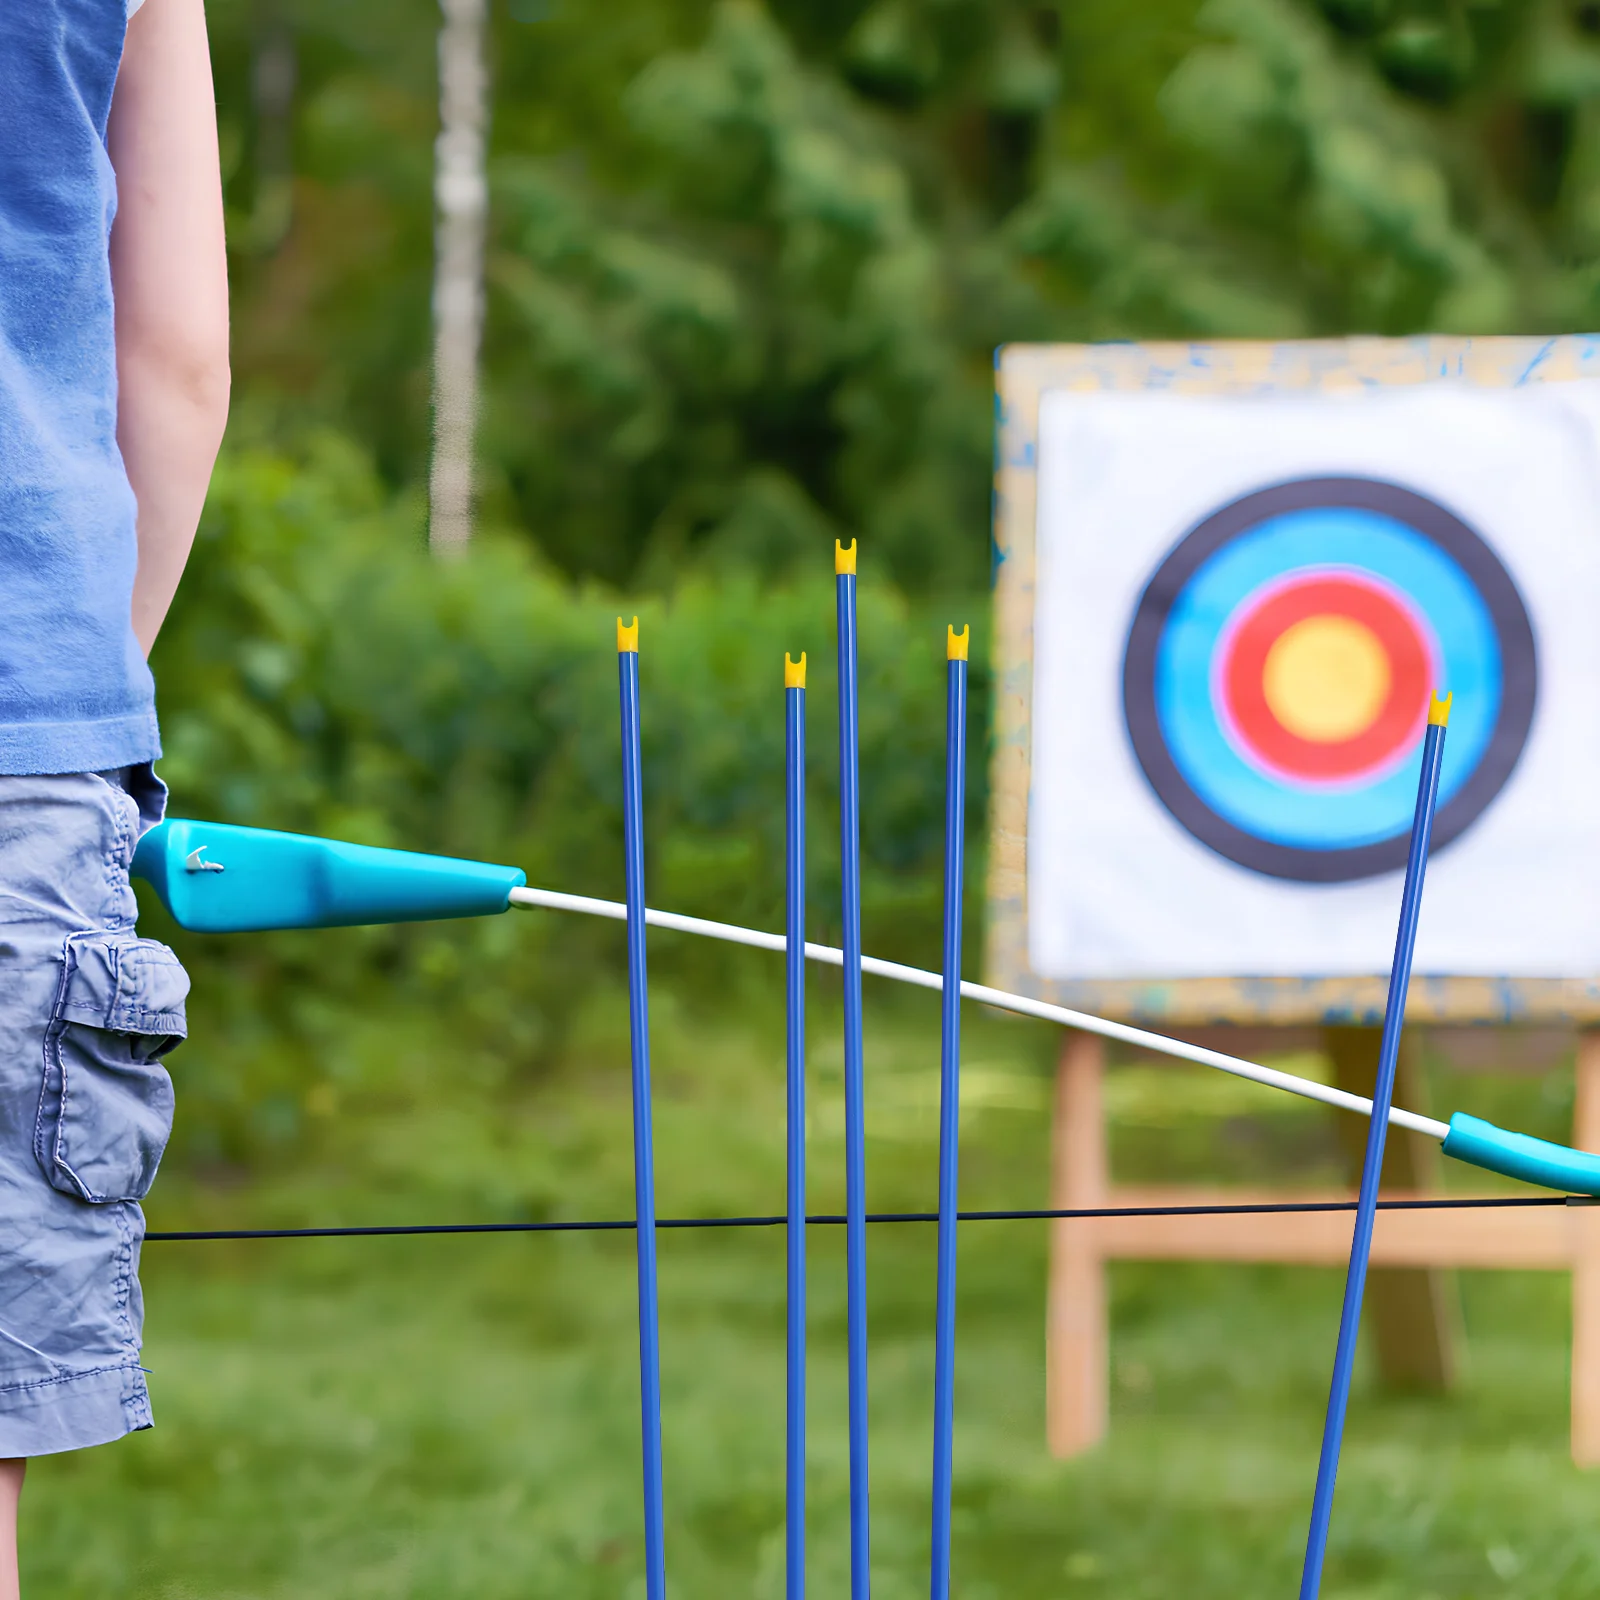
[1210, 676]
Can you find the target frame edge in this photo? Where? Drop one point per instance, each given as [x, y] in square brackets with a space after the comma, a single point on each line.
[1231, 370]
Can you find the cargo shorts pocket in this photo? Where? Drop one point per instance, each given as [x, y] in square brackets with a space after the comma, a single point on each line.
[105, 1110]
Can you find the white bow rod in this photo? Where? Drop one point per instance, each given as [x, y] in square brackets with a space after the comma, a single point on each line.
[827, 955]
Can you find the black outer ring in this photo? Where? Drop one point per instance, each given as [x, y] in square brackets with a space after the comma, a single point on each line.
[1506, 610]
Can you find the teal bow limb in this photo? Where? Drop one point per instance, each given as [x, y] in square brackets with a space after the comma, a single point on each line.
[1520, 1155]
[217, 878]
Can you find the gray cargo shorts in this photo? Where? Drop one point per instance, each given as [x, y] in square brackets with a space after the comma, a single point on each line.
[87, 1010]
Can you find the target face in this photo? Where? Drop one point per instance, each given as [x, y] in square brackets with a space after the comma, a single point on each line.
[1278, 670]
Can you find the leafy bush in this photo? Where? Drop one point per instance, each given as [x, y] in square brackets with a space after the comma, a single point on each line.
[748, 261]
[321, 673]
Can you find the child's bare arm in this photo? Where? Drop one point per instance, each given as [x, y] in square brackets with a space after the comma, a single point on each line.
[169, 272]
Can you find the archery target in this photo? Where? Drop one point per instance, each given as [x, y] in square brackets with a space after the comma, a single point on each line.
[1241, 608]
[1280, 664]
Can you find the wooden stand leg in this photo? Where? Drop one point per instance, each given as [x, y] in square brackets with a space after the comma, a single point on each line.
[1076, 1337]
[1414, 1312]
[1586, 1267]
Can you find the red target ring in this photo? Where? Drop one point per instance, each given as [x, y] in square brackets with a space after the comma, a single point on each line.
[1380, 702]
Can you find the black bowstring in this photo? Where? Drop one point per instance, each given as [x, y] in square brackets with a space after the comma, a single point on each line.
[833, 1219]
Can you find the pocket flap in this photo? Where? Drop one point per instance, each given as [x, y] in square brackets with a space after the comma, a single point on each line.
[125, 985]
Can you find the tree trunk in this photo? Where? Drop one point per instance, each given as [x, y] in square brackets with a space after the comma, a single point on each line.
[461, 195]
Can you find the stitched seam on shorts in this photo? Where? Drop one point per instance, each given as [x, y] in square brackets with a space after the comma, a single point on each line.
[67, 1377]
[111, 854]
[127, 837]
[146, 1020]
[136, 1411]
[150, 1020]
[124, 1278]
[52, 1059]
[65, 1102]
[120, 855]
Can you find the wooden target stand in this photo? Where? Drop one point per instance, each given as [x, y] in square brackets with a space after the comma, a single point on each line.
[1411, 1305]
[1412, 1310]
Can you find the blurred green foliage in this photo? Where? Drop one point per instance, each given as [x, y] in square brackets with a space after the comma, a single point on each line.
[321, 673]
[749, 262]
[747, 267]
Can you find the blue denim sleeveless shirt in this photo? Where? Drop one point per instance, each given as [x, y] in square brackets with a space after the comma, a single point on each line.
[75, 694]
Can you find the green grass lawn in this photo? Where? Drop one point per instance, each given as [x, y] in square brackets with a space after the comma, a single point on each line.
[458, 1416]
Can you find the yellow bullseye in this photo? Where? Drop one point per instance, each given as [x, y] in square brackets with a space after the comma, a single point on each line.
[1326, 678]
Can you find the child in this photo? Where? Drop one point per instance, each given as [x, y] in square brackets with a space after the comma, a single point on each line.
[110, 421]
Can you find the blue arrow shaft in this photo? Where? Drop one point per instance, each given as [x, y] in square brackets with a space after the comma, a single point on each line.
[855, 1136]
[1372, 1168]
[944, 1358]
[644, 1186]
[795, 964]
